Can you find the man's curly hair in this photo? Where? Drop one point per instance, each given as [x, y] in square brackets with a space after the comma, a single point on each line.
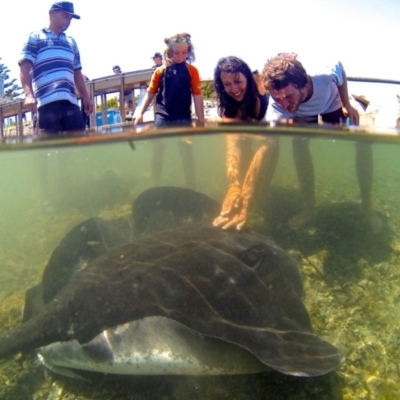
[282, 71]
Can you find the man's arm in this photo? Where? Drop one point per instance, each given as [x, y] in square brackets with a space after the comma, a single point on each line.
[26, 83]
[81, 86]
[351, 112]
[239, 200]
[232, 198]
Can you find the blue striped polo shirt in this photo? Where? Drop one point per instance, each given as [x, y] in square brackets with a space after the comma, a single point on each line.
[54, 59]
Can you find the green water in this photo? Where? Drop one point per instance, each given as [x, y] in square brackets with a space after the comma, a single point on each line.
[351, 275]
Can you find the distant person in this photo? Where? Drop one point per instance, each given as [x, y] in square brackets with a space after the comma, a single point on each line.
[127, 93]
[304, 98]
[50, 69]
[158, 60]
[241, 97]
[173, 85]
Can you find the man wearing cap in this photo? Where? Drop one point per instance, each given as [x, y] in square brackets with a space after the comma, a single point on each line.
[50, 69]
[157, 58]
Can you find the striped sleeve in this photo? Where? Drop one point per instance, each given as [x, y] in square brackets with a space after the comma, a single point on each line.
[77, 56]
[29, 50]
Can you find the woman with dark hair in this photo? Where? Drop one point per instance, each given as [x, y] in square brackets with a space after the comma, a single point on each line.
[242, 97]
[237, 91]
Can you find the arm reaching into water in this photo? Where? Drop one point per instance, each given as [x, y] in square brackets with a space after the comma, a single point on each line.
[350, 111]
[232, 198]
[148, 98]
[236, 203]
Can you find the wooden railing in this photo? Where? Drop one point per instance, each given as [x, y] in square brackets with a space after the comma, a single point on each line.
[114, 84]
[96, 87]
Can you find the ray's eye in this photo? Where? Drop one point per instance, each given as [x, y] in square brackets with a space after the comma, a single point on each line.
[252, 256]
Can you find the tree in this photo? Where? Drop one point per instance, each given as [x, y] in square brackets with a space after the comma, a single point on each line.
[111, 103]
[207, 90]
[11, 89]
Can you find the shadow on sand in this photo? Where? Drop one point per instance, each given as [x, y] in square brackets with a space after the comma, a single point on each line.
[338, 229]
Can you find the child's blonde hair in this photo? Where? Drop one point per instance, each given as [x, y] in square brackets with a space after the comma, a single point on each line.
[178, 38]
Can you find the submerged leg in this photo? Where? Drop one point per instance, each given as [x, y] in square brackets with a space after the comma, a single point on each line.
[186, 150]
[157, 160]
[305, 174]
[43, 168]
[268, 167]
[245, 146]
[364, 167]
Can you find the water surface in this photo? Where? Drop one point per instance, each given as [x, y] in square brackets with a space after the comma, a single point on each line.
[351, 274]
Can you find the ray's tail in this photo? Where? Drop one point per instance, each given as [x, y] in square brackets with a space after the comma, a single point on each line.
[39, 331]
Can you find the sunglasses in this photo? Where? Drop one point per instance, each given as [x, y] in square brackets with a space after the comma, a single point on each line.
[180, 39]
[289, 55]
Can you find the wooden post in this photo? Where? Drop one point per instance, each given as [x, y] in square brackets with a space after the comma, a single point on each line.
[133, 101]
[122, 98]
[1, 122]
[19, 122]
[93, 120]
[142, 93]
[104, 109]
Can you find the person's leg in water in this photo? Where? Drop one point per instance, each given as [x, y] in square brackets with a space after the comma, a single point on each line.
[185, 150]
[364, 169]
[245, 144]
[56, 120]
[305, 171]
[267, 168]
[48, 126]
[305, 174]
[158, 154]
[73, 124]
[157, 160]
[187, 156]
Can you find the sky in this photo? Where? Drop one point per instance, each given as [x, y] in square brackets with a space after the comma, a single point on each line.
[362, 34]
